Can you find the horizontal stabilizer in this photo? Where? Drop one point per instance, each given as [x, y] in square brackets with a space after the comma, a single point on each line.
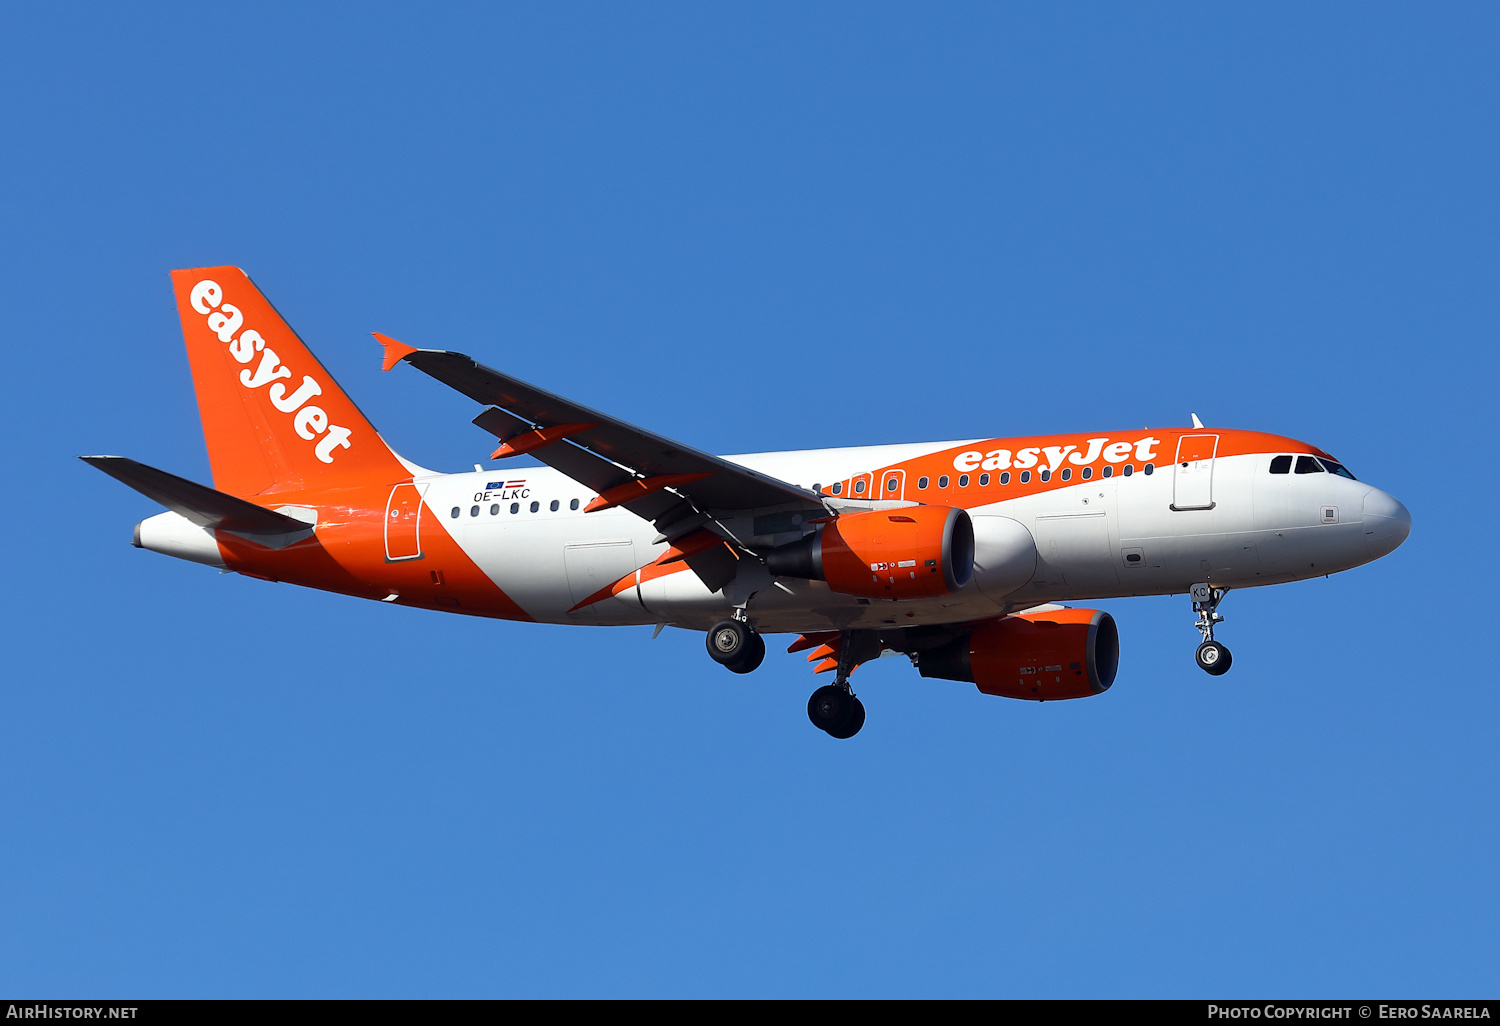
[198, 503]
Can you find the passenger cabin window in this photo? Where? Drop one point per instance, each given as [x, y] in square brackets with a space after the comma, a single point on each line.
[495, 509]
[1088, 472]
[573, 504]
[535, 506]
[838, 488]
[1337, 468]
[1281, 465]
[890, 484]
[921, 482]
[1109, 471]
[1025, 477]
[515, 507]
[1046, 476]
[943, 481]
[1067, 473]
[1005, 477]
[1308, 465]
[963, 480]
[859, 488]
[553, 506]
[984, 479]
[454, 514]
[473, 511]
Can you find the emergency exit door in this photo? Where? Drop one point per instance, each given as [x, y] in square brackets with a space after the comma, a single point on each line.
[1193, 473]
[403, 523]
[894, 486]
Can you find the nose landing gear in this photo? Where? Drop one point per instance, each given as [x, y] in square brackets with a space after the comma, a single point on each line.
[1212, 657]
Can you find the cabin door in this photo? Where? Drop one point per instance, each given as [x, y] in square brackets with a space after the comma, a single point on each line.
[1193, 472]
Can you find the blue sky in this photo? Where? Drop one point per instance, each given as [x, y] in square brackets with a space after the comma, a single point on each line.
[752, 227]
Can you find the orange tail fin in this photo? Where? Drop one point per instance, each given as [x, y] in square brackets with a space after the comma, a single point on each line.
[273, 417]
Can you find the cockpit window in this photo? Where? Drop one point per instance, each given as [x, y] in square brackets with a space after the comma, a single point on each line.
[1308, 465]
[1281, 465]
[1337, 468]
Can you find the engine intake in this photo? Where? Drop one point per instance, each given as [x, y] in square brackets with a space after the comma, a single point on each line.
[906, 553]
[1043, 657]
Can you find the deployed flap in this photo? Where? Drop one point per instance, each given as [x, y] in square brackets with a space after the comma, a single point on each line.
[715, 567]
[613, 443]
[198, 503]
[591, 471]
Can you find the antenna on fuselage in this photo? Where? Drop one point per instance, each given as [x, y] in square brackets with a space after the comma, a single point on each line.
[1196, 422]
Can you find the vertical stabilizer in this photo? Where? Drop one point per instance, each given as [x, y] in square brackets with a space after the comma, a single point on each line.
[273, 417]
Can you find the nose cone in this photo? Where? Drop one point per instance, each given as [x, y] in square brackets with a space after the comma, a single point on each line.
[1387, 523]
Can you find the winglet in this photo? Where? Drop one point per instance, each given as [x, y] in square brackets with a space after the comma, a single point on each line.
[1197, 424]
[395, 351]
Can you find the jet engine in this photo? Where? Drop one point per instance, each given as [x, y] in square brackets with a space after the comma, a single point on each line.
[906, 553]
[1042, 656]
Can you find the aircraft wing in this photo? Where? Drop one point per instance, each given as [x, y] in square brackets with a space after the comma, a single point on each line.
[606, 454]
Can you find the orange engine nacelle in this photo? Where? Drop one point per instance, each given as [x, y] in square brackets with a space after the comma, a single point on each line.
[1062, 653]
[906, 553]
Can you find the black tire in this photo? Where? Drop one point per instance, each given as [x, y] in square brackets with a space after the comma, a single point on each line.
[753, 657]
[1214, 658]
[728, 641]
[831, 709]
[856, 720]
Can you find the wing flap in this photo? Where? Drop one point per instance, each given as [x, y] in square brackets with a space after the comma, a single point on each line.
[592, 471]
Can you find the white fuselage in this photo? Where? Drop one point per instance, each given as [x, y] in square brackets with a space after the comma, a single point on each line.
[1090, 540]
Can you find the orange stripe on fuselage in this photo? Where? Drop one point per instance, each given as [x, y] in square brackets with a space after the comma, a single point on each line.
[659, 567]
[347, 555]
[1015, 456]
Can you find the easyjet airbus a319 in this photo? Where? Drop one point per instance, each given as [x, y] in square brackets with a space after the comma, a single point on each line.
[957, 555]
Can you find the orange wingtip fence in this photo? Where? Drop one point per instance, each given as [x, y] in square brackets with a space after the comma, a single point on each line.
[395, 351]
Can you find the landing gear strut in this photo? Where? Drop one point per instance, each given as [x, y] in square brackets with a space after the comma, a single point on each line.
[736, 645]
[833, 708]
[1212, 657]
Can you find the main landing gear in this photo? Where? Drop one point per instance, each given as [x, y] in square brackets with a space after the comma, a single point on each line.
[833, 708]
[736, 645]
[1212, 657]
[835, 711]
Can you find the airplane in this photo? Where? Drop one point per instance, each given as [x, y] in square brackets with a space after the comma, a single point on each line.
[961, 556]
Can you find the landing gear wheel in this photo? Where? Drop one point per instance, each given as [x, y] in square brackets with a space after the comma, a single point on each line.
[1214, 658]
[753, 656]
[729, 642]
[856, 720]
[836, 712]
